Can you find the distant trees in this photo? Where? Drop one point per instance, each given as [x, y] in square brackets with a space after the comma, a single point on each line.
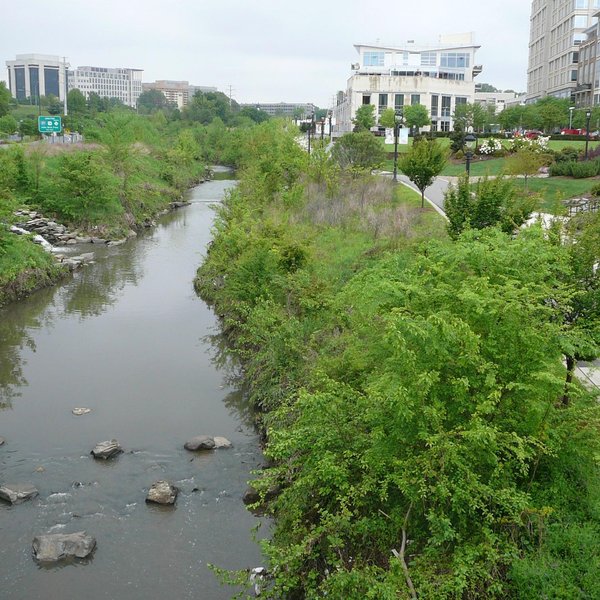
[151, 101]
[5, 99]
[76, 102]
[359, 152]
[415, 117]
[469, 117]
[204, 107]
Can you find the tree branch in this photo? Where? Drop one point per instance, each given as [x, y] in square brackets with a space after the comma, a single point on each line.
[400, 556]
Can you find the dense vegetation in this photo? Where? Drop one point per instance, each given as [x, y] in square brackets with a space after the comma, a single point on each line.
[425, 437]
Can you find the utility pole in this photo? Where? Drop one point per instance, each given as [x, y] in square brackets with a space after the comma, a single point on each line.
[230, 94]
[66, 83]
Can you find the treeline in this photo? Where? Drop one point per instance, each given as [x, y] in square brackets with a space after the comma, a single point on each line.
[424, 436]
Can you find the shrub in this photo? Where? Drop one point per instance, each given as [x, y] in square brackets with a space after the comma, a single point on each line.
[561, 169]
[567, 154]
[595, 191]
[582, 170]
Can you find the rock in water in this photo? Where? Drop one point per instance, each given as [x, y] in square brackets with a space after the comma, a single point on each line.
[17, 493]
[107, 449]
[200, 442]
[2, 440]
[58, 546]
[221, 442]
[162, 492]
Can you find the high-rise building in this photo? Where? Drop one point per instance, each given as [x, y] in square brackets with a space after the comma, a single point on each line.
[439, 77]
[177, 93]
[557, 30]
[122, 83]
[33, 75]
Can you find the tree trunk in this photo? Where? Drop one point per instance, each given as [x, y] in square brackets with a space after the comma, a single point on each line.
[566, 399]
[422, 198]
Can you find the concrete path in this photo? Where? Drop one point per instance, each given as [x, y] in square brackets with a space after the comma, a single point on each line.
[589, 374]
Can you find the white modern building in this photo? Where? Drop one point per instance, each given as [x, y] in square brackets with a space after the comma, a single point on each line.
[439, 77]
[33, 75]
[498, 100]
[122, 83]
[296, 110]
[557, 30]
[177, 93]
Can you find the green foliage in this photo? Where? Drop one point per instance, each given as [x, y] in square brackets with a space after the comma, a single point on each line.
[8, 124]
[576, 169]
[422, 163]
[76, 102]
[416, 116]
[364, 118]
[5, 99]
[487, 203]
[360, 152]
[205, 107]
[388, 118]
[469, 117]
[152, 100]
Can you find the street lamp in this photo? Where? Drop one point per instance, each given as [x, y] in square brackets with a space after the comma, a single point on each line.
[470, 143]
[588, 115]
[397, 125]
[571, 109]
[310, 129]
[322, 129]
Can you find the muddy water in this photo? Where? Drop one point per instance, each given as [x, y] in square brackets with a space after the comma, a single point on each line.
[128, 338]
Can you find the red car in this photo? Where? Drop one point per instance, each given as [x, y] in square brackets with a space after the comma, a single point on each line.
[533, 135]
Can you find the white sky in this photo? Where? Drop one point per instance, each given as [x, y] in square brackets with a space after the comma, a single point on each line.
[267, 50]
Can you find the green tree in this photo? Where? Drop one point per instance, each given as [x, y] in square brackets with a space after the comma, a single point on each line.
[486, 203]
[151, 101]
[365, 118]
[5, 99]
[486, 87]
[76, 102]
[511, 118]
[8, 124]
[469, 117]
[416, 116]
[388, 118]
[422, 163]
[359, 152]
[525, 162]
[28, 126]
[258, 116]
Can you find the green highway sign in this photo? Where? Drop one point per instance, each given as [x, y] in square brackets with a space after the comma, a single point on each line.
[49, 124]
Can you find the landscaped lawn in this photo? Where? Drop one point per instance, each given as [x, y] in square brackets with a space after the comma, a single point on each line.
[553, 190]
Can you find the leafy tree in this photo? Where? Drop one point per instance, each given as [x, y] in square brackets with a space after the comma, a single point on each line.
[486, 203]
[416, 116]
[524, 162]
[28, 126]
[204, 107]
[486, 87]
[365, 118]
[359, 152]
[8, 124]
[388, 118]
[258, 116]
[76, 102]
[422, 163]
[5, 99]
[469, 117]
[511, 118]
[151, 101]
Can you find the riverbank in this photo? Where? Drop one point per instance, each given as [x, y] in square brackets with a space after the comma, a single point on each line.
[387, 367]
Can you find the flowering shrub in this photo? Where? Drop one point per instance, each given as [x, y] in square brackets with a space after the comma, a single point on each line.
[538, 145]
[490, 146]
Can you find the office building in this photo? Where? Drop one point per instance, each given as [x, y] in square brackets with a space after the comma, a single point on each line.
[439, 77]
[122, 83]
[297, 110]
[33, 75]
[557, 30]
[177, 93]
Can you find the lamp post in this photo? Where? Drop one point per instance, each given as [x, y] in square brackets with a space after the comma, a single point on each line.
[397, 124]
[330, 129]
[571, 109]
[322, 129]
[470, 143]
[310, 129]
[588, 115]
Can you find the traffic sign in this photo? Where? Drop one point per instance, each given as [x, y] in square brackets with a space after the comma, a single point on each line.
[49, 124]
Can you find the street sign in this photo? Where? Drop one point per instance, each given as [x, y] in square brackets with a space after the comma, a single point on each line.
[49, 124]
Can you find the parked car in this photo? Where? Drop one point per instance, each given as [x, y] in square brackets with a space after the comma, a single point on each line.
[533, 134]
[572, 132]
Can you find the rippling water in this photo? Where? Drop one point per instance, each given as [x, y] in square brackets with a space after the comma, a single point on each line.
[128, 338]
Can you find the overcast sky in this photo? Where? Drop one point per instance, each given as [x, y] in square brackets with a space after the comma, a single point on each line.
[266, 50]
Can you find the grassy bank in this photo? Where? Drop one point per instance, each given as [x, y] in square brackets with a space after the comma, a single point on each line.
[409, 387]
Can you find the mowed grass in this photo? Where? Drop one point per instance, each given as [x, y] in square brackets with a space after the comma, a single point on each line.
[554, 190]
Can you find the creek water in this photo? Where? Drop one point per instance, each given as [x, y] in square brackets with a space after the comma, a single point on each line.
[128, 338]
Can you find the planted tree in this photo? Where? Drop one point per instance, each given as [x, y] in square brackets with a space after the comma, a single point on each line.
[365, 118]
[359, 152]
[422, 163]
[416, 116]
[525, 162]
[388, 118]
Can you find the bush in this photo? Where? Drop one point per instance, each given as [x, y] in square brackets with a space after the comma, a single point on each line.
[595, 191]
[561, 169]
[582, 170]
[567, 154]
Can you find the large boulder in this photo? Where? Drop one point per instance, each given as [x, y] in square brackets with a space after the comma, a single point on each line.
[58, 546]
[17, 493]
[162, 492]
[200, 442]
[221, 442]
[106, 449]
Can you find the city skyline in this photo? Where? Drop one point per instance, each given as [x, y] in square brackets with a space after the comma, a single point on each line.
[266, 54]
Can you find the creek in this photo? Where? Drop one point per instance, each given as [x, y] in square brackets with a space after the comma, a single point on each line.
[128, 338]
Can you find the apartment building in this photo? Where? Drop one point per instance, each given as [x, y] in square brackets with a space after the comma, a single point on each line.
[33, 75]
[178, 93]
[557, 31]
[297, 110]
[498, 100]
[439, 77]
[122, 83]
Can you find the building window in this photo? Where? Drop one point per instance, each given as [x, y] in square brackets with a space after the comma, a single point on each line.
[434, 105]
[21, 93]
[446, 100]
[580, 21]
[581, 3]
[434, 126]
[398, 101]
[415, 99]
[444, 125]
[374, 59]
[428, 59]
[460, 100]
[573, 75]
[383, 102]
[455, 60]
[366, 99]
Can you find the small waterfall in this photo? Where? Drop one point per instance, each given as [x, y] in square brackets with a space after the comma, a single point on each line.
[38, 239]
